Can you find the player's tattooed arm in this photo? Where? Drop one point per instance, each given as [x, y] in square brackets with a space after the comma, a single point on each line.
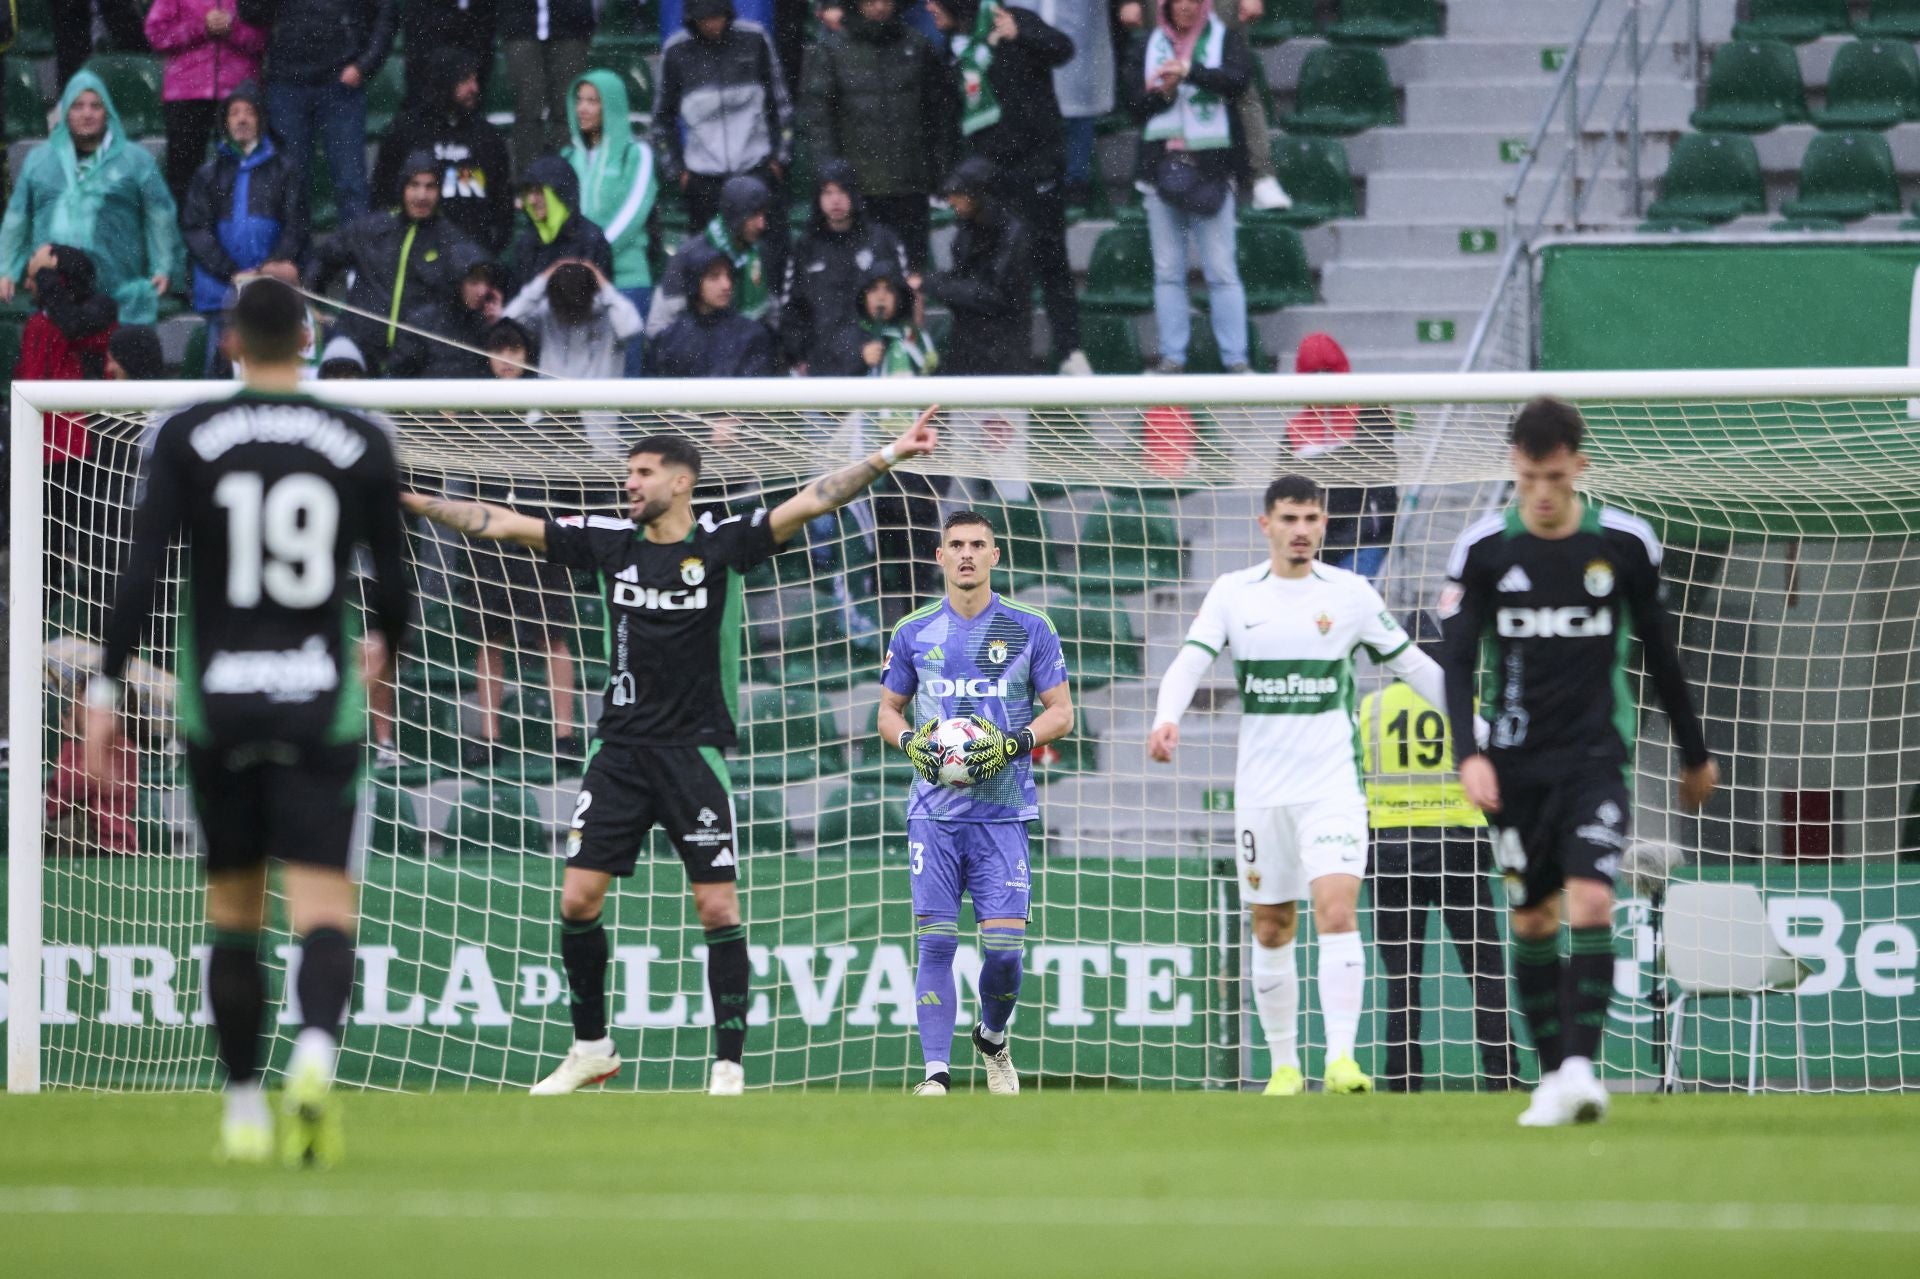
[836, 488]
[478, 519]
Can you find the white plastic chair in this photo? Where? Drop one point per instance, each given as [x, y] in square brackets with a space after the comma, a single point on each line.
[1718, 943]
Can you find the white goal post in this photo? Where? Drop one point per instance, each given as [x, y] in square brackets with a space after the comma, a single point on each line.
[1789, 501]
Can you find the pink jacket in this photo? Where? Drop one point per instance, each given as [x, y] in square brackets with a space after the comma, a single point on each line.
[199, 66]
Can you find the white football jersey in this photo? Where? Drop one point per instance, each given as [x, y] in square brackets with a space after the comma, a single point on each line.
[1293, 643]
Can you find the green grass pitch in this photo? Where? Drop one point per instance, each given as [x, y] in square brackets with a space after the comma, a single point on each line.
[1051, 1183]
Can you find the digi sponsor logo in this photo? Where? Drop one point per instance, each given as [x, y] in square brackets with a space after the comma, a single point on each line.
[1575, 622]
[967, 687]
[652, 599]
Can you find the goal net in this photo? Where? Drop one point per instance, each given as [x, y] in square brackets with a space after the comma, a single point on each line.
[1771, 941]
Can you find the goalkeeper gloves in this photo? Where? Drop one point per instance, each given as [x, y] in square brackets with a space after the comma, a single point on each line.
[988, 754]
[921, 752]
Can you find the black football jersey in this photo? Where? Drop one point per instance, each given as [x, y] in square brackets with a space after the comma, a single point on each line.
[1542, 626]
[272, 494]
[676, 614]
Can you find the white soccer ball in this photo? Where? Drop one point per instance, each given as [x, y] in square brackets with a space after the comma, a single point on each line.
[952, 737]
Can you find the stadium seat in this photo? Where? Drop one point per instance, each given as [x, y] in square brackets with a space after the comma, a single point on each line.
[494, 818]
[861, 820]
[1273, 265]
[785, 739]
[629, 24]
[25, 109]
[1203, 352]
[1343, 90]
[1890, 20]
[631, 64]
[36, 29]
[1712, 177]
[385, 93]
[133, 81]
[1315, 173]
[394, 827]
[1874, 84]
[428, 731]
[193, 363]
[1753, 87]
[1029, 554]
[763, 822]
[1284, 20]
[816, 650]
[1111, 343]
[1845, 176]
[498, 103]
[1385, 21]
[11, 327]
[1795, 21]
[1120, 272]
[1128, 546]
[1099, 643]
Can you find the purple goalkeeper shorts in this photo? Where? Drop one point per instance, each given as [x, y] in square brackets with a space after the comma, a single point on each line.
[986, 860]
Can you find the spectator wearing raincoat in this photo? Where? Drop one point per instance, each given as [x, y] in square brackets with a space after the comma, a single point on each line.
[619, 187]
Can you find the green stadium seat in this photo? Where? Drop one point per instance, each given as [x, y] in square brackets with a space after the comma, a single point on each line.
[1673, 226]
[1385, 21]
[1845, 176]
[1099, 643]
[1129, 545]
[428, 731]
[763, 822]
[1284, 20]
[1795, 21]
[1111, 343]
[1754, 86]
[1874, 84]
[394, 828]
[385, 93]
[862, 820]
[1120, 272]
[495, 818]
[1098, 203]
[785, 738]
[1316, 175]
[1342, 90]
[193, 363]
[1890, 20]
[633, 24]
[498, 102]
[632, 65]
[133, 81]
[1273, 265]
[816, 650]
[874, 762]
[1712, 177]
[26, 110]
[1029, 554]
[11, 327]
[36, 29]
[1203, 352]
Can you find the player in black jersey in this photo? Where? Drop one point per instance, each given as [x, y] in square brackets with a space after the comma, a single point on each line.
[1550, 590]
[675, 615]
[271, 491]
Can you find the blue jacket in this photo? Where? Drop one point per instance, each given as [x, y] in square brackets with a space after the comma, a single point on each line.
[241, 211]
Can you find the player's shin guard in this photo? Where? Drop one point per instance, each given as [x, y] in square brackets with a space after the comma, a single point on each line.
[1537, 978]
[935, 1000]
[1276, 995]
[583, 953]
[326, 979]
[1002, 966]
[237, 989]
[1343, 990]
[729, 978]
[1585, 991]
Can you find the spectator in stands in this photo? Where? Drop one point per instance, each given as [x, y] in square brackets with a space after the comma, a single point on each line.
[1360, 517]
[243, 209]
[892, 343]
[721, 109]
[555, 231]
[877, 95]
[739, 230]
[134, 355]
[91, 186]
[1005, 59]
[427, 26]
[1254, 129]
[511, 352]
[1180, 85]
[546, 46]
[619, 188]
[444, 119]
[209, 53]
[840, 247]
[904, 506]
[400, 258]
[710, 338]
[448, 342]
[580, 320]
[990, 286]
[320, 58]
[1083, 84]
[73, 22]
[341, 360]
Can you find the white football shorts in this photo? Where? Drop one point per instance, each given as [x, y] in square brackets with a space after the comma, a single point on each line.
[1282, 850]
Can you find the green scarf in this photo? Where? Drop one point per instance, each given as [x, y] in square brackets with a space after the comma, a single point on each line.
[1197, 118]
[975, 55]
[749, 277]
[908, 352]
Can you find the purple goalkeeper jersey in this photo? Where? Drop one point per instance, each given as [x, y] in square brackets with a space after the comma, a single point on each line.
[995, 665]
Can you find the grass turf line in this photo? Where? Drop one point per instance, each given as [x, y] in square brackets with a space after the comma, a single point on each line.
[1108, 1184]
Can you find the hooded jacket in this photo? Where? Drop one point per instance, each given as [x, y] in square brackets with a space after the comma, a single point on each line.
[200, 65]
[618, 181]
[476, 187]
[115, 206]
[313, 41]
[819, 301]
[565, 233]
[758, 268]
[595, 349]
[906, 351]
[1031, 135]
[878, 95]
[241, 210]
[717, 344]
[989, 290]
[729, 96]
[1357, 515]
[66, 341]
[398, 265]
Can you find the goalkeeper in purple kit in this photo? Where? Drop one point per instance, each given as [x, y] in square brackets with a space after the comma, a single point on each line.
[972, 655]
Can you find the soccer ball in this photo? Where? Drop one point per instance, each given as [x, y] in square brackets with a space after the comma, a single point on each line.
[952, 737]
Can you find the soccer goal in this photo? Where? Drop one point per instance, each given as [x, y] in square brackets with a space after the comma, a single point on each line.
[1771, 942]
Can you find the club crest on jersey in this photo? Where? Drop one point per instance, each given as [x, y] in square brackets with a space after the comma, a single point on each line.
[693, 571]
[1324, 622]
[1253, 880]
[1599, 578]
[997, 651]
